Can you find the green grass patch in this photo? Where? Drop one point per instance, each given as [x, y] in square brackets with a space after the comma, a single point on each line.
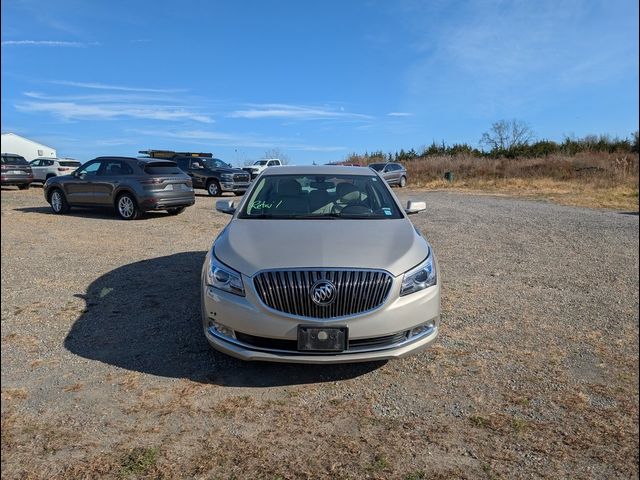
[138, 461]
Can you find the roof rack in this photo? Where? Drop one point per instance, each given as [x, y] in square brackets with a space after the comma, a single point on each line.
[172, 154]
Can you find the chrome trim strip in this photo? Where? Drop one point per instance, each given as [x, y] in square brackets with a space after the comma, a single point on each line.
[214, 333]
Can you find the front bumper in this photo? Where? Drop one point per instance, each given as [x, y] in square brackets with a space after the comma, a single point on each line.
[234, 187]
[251, 319]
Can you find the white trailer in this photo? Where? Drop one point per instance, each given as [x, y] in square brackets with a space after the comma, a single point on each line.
[29, 149]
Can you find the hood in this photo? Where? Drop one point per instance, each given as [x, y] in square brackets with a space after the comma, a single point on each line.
[251, 245]
[226, 170]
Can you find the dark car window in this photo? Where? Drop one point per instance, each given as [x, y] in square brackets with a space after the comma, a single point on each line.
[89, 169]
[70, 164]
[214, 163]
[34, 163]
[47, 163]
[162, 168]
[183, 163]
[116, 167]
[13, 160]
[377, 166]
[272, 163]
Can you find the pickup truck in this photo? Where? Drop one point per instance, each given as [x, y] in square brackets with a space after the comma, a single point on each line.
[261, 165]
[206, 172]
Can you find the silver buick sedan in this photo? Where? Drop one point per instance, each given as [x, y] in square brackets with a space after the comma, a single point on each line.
[320, 264]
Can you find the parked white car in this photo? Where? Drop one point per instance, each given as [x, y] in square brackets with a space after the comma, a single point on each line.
[45, 168]
[261, 165]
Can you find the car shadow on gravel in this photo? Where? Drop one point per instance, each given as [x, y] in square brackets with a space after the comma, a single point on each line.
[97, 212]
[145, 317]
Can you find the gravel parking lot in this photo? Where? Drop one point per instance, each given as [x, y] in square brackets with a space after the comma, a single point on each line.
[105, 371]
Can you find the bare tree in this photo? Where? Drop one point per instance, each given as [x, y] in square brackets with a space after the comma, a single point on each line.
[277, 153]
[506, 134]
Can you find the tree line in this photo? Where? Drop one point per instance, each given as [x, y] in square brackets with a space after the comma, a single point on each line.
[510, 139]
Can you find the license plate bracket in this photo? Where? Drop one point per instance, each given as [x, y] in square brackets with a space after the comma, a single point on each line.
[312, 338]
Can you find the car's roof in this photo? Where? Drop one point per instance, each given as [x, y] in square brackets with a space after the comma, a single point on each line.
[137, 159]
[319, 170]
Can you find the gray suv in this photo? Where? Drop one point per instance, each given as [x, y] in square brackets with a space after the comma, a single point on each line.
[393, 173]
[130, 185]
[16, 171]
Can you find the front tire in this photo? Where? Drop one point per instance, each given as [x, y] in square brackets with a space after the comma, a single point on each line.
[213, 188]
[127, 207]
[403, 182]
[58, 202]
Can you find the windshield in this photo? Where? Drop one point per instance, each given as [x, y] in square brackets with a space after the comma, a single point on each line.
[215, 163]
[378, 167]
[320, 197]
[261, 162]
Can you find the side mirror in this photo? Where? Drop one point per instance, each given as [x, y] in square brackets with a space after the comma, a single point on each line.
[415, 207]
[226, 206]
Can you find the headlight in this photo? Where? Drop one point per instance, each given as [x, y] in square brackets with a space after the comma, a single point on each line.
[227, 177]
[222, 277]
[420, 277]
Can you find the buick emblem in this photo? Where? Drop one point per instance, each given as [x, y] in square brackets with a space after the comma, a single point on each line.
[323, 292]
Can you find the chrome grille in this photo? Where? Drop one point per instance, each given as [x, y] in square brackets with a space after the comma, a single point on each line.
[241, 177]
[356, 291]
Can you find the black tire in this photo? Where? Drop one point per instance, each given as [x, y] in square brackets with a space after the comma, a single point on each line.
[127, 207]
[213, 188]
[403, 182]
[175, 211]
[24, 186]
[58, 202]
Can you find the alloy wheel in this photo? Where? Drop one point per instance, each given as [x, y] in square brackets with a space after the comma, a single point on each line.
[126, 206]
[56, 201]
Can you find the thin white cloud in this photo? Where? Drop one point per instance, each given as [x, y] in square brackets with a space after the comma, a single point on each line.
[108, 111]
[399, 114]
[295, 112]
[117, 97]
[48, 43]
[122, 88]
[223, 139]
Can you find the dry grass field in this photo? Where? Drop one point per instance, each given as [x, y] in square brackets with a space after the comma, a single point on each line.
[588, 179]
[106, 373]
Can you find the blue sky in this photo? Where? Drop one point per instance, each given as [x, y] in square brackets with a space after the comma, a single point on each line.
[316, 80]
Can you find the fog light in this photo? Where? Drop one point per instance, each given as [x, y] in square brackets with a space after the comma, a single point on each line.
[420, 329]
[224, 330]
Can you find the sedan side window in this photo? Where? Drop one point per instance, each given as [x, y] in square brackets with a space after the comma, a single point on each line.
[35, 163]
